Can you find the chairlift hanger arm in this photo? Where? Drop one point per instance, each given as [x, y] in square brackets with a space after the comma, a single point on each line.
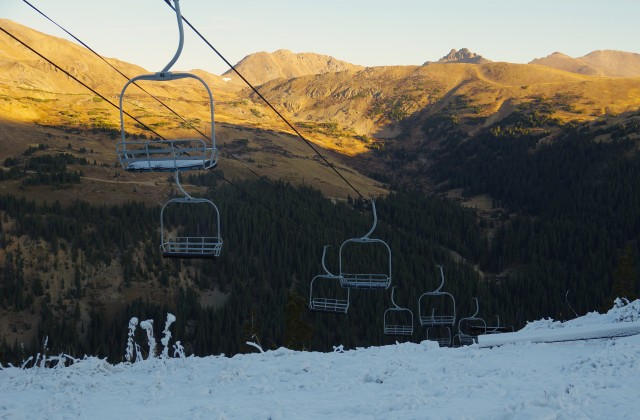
[375, 220]
[393, 301]
[324, 267]
[180, 42]
[441, 277]
[186, 194]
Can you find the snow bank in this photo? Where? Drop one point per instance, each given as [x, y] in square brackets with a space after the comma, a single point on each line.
[579, 379]
[622, 320]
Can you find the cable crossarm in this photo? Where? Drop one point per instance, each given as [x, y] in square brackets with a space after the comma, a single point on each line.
[81, 82]
[315, 150]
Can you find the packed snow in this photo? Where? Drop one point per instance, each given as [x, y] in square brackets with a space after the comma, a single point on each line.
[581, 379]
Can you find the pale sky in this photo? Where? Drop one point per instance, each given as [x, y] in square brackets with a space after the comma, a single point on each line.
[364, 32]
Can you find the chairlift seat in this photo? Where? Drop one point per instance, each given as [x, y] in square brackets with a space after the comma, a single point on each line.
[398, 329]
[365, 280]
[187, 247]
[329, 305]
[165, 155]
[435, 320]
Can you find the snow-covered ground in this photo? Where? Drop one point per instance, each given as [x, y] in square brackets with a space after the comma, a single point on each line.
[594, 379]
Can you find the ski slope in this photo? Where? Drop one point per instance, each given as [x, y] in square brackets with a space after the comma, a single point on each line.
[590, 379]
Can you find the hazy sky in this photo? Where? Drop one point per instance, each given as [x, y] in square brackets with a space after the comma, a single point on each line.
[365, 32]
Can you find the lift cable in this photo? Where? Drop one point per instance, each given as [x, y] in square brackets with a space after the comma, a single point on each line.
[81, 82]
[264, 178]
[148, 128]
[168, 2]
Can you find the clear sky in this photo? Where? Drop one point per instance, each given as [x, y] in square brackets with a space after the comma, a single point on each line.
[365, 32]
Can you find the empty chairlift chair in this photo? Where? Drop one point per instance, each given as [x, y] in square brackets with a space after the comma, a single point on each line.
[157, 155]
[397, 320]
[470, 328]
[359, 270]
[441, 335]
[189, 227]
[437, 308]
[326, 293]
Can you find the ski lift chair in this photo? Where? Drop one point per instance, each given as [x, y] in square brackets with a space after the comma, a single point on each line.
[201, 242]
[327, 282]
[495, 329]
[470, 328]
[142, 155]
[372, 278]
[443, 340]
[397, 320]
[427, 306]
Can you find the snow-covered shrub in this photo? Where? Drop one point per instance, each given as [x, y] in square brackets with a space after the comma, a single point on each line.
[178, 350]
[133, 352]
[625, 311]
[167, 335]
[43, 361]
[148, 327]
[133, 323]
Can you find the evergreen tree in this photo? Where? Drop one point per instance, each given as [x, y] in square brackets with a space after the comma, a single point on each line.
[625, 277]
[298, 333]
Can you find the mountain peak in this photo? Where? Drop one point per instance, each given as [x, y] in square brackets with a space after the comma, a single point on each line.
[262, 67]
[461, 56]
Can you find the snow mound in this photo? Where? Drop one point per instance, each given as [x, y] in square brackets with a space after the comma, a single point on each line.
[622, 311]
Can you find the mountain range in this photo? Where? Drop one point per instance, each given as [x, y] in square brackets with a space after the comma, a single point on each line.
[607, 63]
[347, 109]
[542, 155]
